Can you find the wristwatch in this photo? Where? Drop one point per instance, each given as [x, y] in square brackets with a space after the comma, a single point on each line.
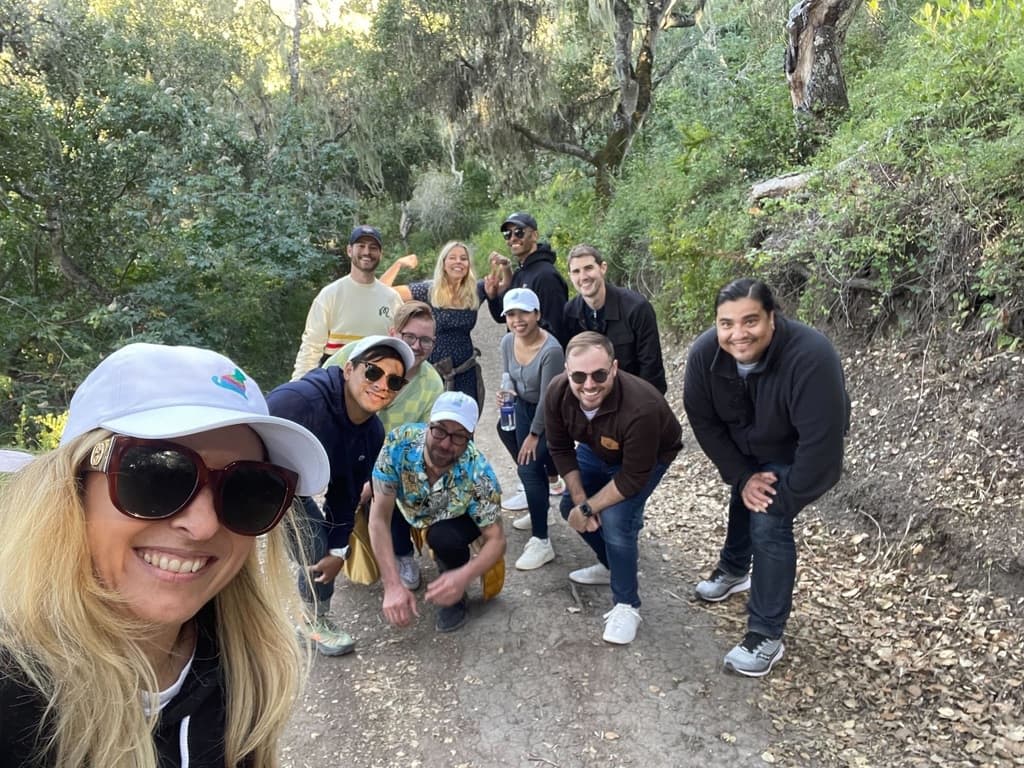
[585, 509]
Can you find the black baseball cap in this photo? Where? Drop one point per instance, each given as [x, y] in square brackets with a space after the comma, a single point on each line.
[519, 219]
[365, 231]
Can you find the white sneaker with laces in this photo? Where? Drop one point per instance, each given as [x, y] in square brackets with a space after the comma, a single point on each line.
[536, 553]
[592, 574]
[620, 624]
[515, 502]
[557, 488]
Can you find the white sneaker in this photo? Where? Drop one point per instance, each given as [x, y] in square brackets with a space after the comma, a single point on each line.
[592, 574]
[515, 502]
[523, 523]
[556, 488]
[620, 624]
[535, 554]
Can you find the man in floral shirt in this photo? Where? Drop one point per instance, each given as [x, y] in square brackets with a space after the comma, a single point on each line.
[441, 483]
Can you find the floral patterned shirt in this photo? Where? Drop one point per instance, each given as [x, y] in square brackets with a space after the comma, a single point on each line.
[470, 487]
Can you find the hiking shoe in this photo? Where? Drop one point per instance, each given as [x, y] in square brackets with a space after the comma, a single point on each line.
[720, 585]
[515, 502]
[557, 488]
[409, 571]
[328, 639]
[592, 574]
[755, 656]
[451, 617]
[620, 624]
[535, 554]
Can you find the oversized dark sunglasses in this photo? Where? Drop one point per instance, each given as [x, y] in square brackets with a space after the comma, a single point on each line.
[374, 372]
[157, 479]
[518, 232]
[600, 376]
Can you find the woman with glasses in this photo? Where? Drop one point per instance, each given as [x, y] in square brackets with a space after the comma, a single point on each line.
[140, 623]
[455, 299]
[532, 357]
[339, 406]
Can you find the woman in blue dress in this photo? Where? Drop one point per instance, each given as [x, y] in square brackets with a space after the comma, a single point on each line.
[453, 296]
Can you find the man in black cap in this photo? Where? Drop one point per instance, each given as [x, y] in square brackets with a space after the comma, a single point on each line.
[535, 269]
[348, 309]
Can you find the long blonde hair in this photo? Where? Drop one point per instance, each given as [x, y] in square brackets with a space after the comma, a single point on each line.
[441, 293]
[70, 638]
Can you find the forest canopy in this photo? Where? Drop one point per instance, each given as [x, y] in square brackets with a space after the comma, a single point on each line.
[187, 173]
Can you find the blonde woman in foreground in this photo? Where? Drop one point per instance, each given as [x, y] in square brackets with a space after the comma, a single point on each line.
[139, 623]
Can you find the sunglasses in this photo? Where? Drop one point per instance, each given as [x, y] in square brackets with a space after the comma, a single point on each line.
[157, 479]
[425, 342]
[600, 376]
[459, 439]
[374, 373]
[519, 232]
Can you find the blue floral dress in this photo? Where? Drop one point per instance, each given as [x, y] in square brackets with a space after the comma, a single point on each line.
[453, 336]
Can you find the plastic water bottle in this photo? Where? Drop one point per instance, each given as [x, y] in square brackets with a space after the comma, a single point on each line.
[508, 403]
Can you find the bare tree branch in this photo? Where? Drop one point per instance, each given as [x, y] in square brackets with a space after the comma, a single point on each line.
[561, 147]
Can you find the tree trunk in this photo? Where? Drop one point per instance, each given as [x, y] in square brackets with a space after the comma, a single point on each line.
[816, 30]
[293, 53]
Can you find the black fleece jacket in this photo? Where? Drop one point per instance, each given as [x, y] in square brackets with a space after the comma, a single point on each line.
[539, 274]
[792, 410]
[190, 729]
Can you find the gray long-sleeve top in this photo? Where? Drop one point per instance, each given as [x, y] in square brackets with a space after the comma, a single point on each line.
[531, 380]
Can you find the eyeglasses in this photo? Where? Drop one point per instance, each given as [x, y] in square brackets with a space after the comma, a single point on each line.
[157, 479]
[459, 439]
[374, 372]
[600, 376]
[519, 232]
[425, 342]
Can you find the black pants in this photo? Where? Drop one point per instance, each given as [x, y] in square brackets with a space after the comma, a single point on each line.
[450, 540]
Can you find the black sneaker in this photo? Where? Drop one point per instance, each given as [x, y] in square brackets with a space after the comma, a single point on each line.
[451, 617]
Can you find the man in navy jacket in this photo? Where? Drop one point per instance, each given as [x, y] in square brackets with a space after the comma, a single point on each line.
[339, 405]
[767, 402]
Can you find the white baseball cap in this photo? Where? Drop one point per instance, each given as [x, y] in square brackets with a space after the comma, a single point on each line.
[159, 392]
[12, 461]
[520, 298]
[457, 407]
[403, 349]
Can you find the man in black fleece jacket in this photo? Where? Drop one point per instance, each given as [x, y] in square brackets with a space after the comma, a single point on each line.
[535, 270]
[767, 402]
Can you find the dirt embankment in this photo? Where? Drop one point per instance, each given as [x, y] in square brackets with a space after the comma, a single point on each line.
[904, 647]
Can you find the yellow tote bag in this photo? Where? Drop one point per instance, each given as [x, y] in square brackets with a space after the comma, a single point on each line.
[361, 566]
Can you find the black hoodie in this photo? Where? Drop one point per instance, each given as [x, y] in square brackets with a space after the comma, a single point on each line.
[190, 730]
[539, 274]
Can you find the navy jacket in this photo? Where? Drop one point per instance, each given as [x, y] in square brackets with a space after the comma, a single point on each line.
[792, 410]
[629, 322]
[317, 402]
[539, 274]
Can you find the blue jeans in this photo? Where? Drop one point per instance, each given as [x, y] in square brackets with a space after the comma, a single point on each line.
[766, 541]
[615, 542]
[533, 475]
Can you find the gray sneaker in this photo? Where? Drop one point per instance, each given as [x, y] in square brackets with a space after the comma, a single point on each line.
[409, 571]
[755, 656]
[720, 585]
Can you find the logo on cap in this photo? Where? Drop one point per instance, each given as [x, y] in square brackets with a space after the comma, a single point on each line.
[234, 382]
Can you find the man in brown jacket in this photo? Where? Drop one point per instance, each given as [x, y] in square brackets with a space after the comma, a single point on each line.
[612, 436]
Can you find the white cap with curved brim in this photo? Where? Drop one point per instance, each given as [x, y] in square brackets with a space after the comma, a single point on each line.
[12, 461]
[457, 407]
[403, 349]
[160, 392]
